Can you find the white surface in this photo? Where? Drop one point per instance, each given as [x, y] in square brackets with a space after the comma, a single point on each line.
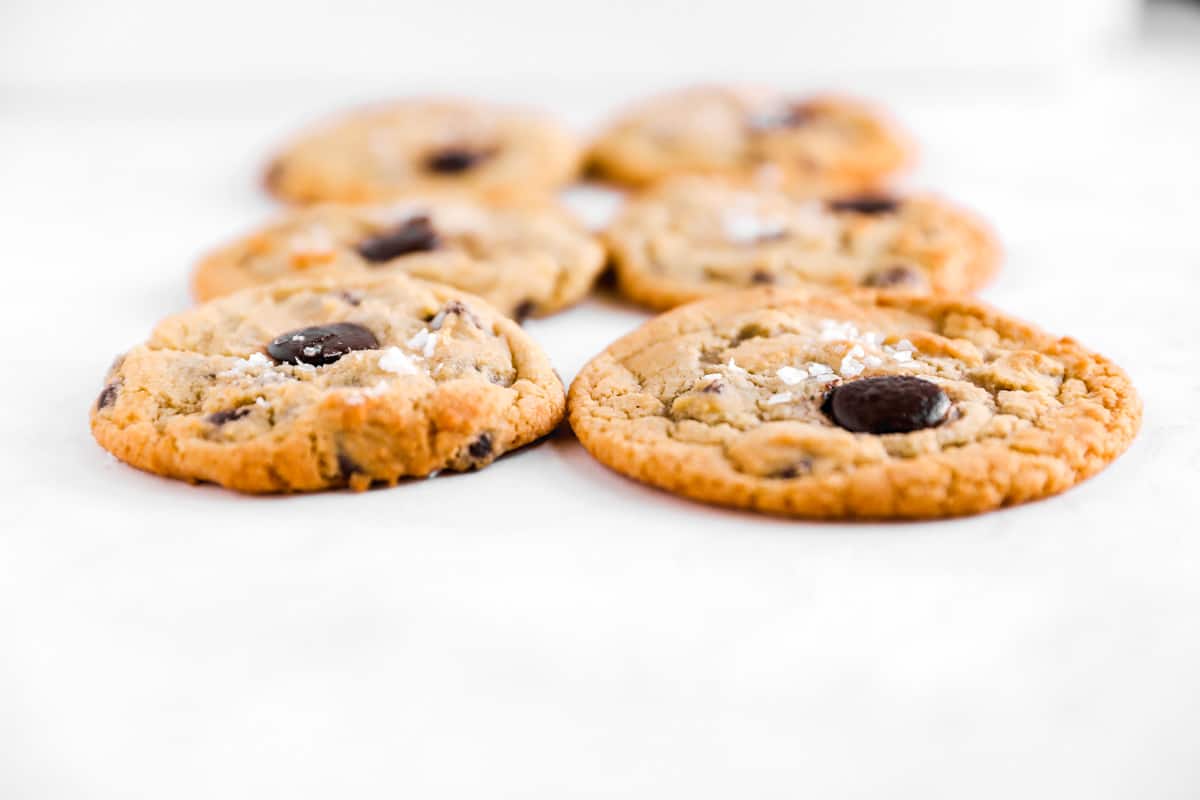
[138, 40]
[544, 628]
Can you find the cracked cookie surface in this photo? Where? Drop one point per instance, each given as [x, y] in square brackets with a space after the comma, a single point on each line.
[380, 152]
[693, 237]
[320, 384]
[529, 261]
[872, 404]
[820, 144]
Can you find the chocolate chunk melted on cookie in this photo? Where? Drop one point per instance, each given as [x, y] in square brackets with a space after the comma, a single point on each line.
[887, 404]
[866, 204]
[321, 345]
[414, 235]
[481, 447]
[898, 277]
[453, 160]
[108, 396]
[228, 415]
[523, 310]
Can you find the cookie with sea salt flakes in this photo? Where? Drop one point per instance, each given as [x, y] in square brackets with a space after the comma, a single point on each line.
[529, 261]
[321, 384]
[693, 237]
[820, 144]
[868, 404]
[388, 150]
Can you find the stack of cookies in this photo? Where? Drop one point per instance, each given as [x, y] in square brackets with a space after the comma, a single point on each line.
[818, 354]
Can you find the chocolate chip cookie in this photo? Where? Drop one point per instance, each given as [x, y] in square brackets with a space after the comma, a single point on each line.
[820, 144]
[867, 404]
[692, 237]
[523, 261]
[385, 151]
[311, 385]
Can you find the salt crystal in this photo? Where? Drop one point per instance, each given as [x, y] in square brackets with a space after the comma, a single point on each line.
[850, 367]
[873, 361]
[743, 226]
[791, 375]
[430, 344]
[816, 369]
[781, 397]
[396, 360]
[418, 340]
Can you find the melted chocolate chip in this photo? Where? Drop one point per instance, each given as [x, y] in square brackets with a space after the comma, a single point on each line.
[481, 447]
[228, 415]
[802, 467]
[866, 204]
[887, 404]
[455, 159]
[347, 466]
[898, 276]
[523, 310]
[108, 396]
[322, 344]
[761, 278]
[414, 235]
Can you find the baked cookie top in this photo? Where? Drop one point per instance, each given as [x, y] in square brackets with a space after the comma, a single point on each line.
[309, 385]
[692, 237]
[872, 404]
[820, 144]
[527, 261]
[381, 152]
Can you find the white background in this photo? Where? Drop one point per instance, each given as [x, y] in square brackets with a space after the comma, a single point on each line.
[545, 628]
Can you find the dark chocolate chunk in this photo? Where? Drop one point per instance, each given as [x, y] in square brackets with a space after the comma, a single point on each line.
[523, 310]
[228, 415]
[108, 395]
[801, 467]
[896, 277]
[321, 344]
[455, 159]
[887, 404]
[414, 235]
[866, 204]
[347, 466]
[481, 447]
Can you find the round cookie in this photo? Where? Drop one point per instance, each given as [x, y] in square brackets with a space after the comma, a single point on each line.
[318, 384]
[533, 261]
[869, 404]
[821, 144]
[692, 237]
[385, 151]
